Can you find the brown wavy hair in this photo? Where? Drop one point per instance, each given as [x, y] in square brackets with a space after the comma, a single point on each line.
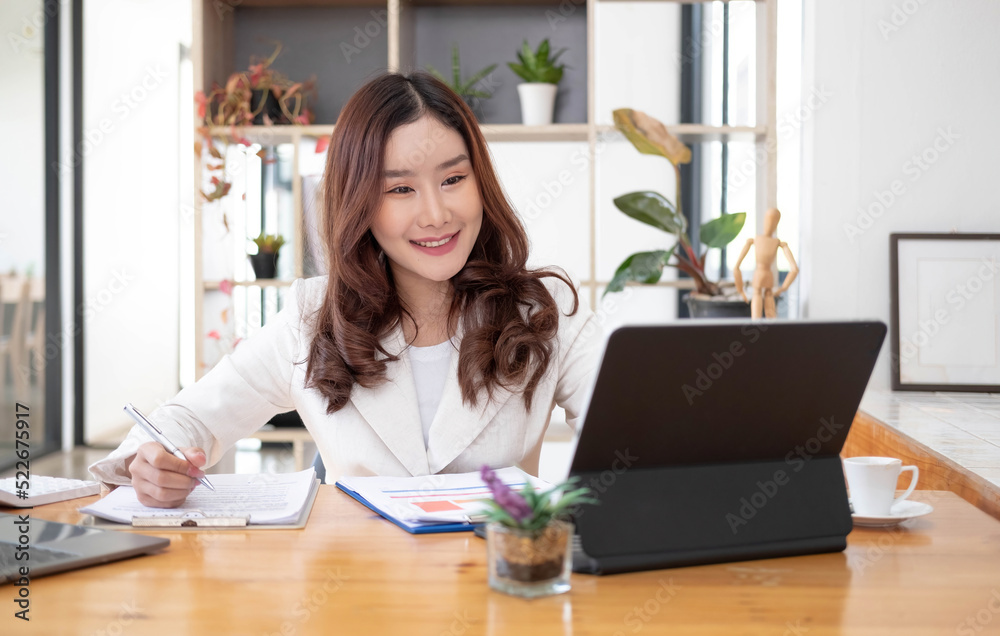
[508, 316]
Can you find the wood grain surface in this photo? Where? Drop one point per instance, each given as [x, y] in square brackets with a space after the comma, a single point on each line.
[350, 572]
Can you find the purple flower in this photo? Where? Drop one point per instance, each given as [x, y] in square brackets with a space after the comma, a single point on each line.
[512, 502]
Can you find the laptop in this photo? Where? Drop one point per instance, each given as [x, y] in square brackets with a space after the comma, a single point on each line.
[715, 441]
[56, 547]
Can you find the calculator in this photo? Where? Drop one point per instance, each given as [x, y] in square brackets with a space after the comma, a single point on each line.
[44, 490]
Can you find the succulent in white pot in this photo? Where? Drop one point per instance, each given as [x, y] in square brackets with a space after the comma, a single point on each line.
[541, 77]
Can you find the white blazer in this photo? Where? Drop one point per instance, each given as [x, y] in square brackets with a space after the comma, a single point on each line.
[378, 431]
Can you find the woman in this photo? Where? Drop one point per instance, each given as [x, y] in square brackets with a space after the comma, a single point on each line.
[429, 348]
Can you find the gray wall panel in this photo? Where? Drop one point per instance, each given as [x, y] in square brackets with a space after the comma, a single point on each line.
[492, 34]
[342, 47]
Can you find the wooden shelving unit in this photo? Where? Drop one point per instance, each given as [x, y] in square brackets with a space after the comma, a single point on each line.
[213, 59]
[691, 133]
[213, 285]
[267, 135]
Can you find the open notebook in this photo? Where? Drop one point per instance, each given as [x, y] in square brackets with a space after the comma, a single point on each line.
[262, 500]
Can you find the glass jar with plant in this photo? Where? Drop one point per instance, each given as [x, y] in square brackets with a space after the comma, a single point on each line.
[651, 137]
[265, 261]
[541, 75]
[529, 539]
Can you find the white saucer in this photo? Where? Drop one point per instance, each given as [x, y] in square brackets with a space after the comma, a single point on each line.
[900, 512]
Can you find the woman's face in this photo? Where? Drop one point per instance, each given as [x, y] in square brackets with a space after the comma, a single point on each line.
[431, 210]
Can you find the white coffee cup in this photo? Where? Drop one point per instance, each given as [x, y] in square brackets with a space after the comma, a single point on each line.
[872, 481]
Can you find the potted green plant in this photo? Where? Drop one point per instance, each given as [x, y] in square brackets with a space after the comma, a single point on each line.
[265, 261]
[541, 75]
[528, 538]
[709, 298]
[466, 89]
[257, 96]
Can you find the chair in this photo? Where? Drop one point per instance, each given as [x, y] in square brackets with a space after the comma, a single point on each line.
[34, 350]
[15, 291]
[320, 468]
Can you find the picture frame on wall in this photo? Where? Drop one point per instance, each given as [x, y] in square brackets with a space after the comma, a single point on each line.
[945, 294]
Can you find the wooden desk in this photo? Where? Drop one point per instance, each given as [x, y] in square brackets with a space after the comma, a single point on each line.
[349, 572]
[870, 436]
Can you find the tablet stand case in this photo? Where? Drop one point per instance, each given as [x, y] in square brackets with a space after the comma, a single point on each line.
[748, 469]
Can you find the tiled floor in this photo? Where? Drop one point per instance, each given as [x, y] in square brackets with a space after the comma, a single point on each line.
[965, 427]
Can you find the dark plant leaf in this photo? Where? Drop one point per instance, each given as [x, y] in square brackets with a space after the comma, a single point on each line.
[652, 208]
[520, 70]
[537, 66]
[436, 73]
[617, 283]
[476, 77]
[641, 267]
[647, 267]
[721, 231]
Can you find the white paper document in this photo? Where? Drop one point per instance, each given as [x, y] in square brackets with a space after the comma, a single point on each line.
[267, 499]
[433, 499]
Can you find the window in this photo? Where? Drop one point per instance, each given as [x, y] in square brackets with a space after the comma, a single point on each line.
[720, 89]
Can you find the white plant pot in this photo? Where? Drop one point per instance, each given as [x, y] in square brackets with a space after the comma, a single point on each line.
[538, 101]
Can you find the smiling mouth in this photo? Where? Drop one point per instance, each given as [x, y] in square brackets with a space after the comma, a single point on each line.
[435, 243]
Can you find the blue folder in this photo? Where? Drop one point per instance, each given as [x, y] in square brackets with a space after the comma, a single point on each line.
[411, 527]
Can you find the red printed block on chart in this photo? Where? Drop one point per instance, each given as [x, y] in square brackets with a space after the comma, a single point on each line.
[436, 506]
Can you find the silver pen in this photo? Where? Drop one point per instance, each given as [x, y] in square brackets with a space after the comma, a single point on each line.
[158, 435]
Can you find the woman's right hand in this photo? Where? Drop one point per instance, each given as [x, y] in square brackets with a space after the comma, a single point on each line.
[162, 480]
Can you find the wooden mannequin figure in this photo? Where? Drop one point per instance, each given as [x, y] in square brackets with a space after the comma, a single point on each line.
[766, 247]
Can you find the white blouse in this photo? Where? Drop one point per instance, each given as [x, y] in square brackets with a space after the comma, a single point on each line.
[381, 430]
[430, 371]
